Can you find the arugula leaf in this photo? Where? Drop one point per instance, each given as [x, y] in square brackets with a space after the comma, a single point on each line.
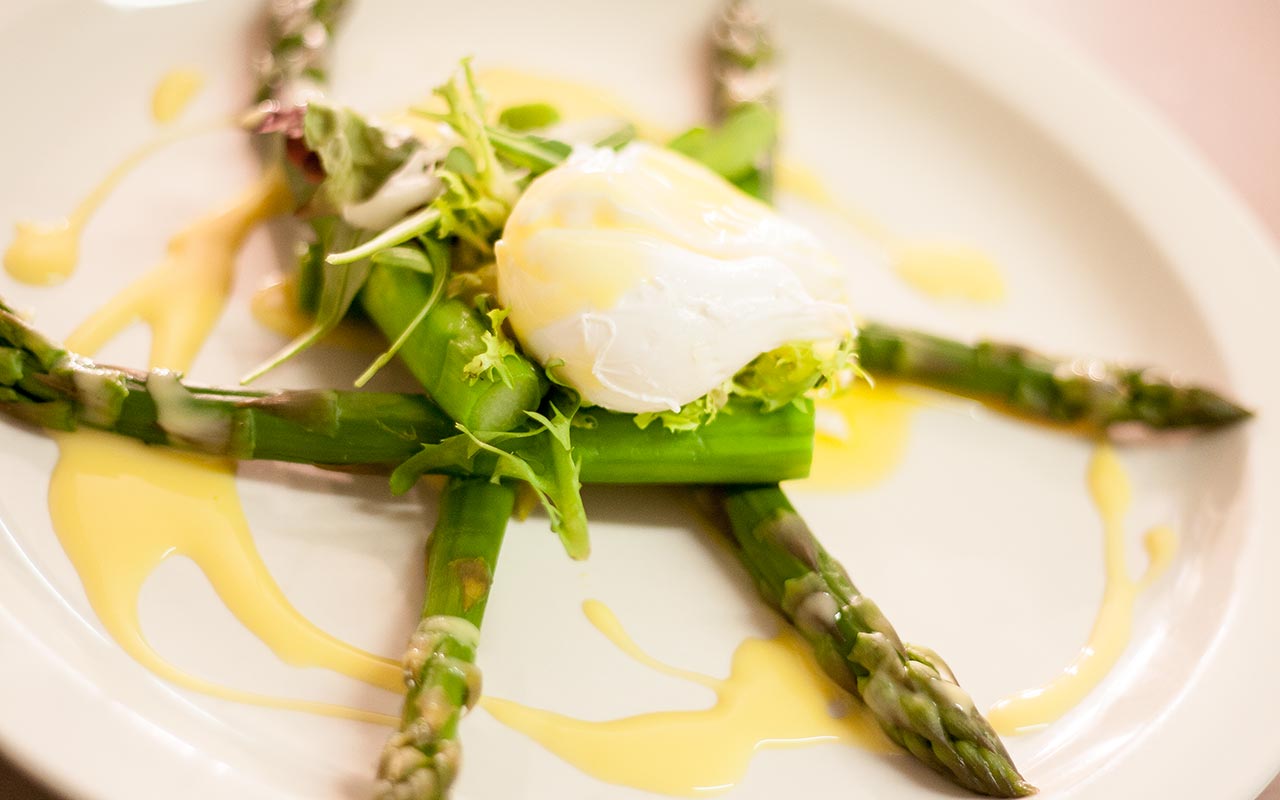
[619, 138]
[434, 261]
[540, 456]
[407, 257]
[419, 223]
[338, 289]
[357, 156]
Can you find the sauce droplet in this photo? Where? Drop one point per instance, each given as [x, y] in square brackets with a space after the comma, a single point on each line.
[44, 253]
[950, 272]
[173, 93]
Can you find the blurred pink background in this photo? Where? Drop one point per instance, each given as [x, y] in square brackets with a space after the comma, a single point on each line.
[1211, 68]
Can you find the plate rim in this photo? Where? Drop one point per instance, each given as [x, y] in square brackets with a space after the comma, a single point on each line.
[1013, 60]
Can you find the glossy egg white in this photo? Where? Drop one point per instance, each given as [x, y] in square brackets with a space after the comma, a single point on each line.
[650, 280]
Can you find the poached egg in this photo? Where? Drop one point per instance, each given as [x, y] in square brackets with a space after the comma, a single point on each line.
[646, 280]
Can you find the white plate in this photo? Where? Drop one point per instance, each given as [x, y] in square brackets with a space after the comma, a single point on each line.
[941, 117]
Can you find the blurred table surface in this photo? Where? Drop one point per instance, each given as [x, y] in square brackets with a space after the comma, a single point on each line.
[1211, 68]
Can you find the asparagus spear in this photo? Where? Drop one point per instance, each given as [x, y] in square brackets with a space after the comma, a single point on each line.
[914, 697]
[440, 347]
[291, 68]
[420, 761]
[746, 77]
[1093, 397]
[43, 384]
[437, 341]
[911, 692]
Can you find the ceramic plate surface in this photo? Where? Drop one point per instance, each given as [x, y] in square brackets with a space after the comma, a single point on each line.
[940, 117]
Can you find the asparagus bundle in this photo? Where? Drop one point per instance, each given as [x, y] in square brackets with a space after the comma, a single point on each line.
[464, 363]
[456, 352]
[966, 747]
[482, 389]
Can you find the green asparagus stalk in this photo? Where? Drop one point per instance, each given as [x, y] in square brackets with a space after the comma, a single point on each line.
[421, 760]
[291, 68]
[745, 79]
[440, 347]
[445, 345]
[483, 386]
[1091, 396]
[742, 54]
[915, 698]
[909, 690]
[43, 384]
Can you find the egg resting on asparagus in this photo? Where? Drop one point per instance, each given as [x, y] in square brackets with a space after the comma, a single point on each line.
[645, 281]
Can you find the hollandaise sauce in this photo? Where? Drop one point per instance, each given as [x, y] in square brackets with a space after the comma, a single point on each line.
[120, 508]
[574, 100]
[861, 437]
[953, 272]
[944, 271]
[1110, 489]
[45, 253]
[774, 697]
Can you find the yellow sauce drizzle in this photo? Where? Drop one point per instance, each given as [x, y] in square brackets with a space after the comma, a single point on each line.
[861, 438]
[174, 93]
[605, 621]
[45, 253]
[120, 507]
[774, 697]
[1033, 709]
[941, 271]
[574, 100]
[181, 299]
[802, 182]
[950, 272]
